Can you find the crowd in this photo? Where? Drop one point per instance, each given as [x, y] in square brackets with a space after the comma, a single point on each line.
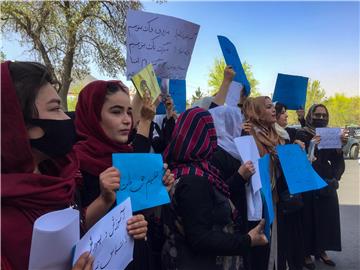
[52, 160]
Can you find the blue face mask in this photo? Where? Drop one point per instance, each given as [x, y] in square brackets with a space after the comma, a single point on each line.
[59, 137]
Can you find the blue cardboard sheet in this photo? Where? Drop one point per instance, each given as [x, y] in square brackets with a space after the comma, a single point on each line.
[299, 174]
[232, 58]
[141, 180]
[177, 90]
[291, 90]
[264, 167]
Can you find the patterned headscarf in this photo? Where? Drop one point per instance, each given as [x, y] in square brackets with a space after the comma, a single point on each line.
[192, 144]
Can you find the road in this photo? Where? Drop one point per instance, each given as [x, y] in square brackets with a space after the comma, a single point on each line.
[349, 197]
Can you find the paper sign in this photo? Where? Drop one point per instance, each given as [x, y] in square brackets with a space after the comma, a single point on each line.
[233, 95]
[290, 90]
[264, 165]
[177, 91]
[232, 59]
[146, 80]
[108, 240]
[330, 138]
[54, 236]
[166, 42]
[141, 180]
[299, 174]
[248, 150]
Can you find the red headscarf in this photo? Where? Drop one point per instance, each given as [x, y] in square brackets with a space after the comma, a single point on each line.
[192, 144]
[25, 196]
[95, 148]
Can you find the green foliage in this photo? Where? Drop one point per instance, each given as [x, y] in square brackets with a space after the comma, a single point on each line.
[342, 110]
[2, 56]
[216, 76]
[67, 35]
[198, 95]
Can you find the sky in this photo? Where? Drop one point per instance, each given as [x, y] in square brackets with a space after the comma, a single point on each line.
[319, 40]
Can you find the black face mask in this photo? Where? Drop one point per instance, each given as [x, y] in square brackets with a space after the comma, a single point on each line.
[318, 123]
[58, 139]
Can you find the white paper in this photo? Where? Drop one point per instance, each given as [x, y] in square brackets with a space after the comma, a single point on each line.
[330, 138]
[248, 150]
[166, 42]
[233, 95]
[108, 240]
[54, 236]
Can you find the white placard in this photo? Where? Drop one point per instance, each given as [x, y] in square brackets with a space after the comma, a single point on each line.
[165, 42]
[248, 150]
[329, 138]
[54, 236]
[108, 240]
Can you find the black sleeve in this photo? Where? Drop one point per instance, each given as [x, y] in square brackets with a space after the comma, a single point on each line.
[198, 222]
[337, 163]
[168, 126]
[303, 136]
[213, 105]
[292, 134]
[302, 122]
[141, 144]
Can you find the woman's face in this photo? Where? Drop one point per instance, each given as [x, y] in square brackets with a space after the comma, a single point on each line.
[269, 115]
[48, 105]
[116, 117]
[319, 113]
[282, 118]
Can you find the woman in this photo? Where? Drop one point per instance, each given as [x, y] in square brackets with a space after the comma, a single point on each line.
[200, 210]
[290, 232]
[286, 133]
[39, 172]
[321, 218]
[103, 122]
[261, 113]
[227, 122]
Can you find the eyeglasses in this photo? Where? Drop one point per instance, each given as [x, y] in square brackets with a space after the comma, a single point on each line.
[320, 115]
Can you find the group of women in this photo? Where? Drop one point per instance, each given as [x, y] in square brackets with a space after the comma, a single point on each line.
[50, 161]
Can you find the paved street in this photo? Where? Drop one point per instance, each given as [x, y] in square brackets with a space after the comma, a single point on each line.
[349, 196]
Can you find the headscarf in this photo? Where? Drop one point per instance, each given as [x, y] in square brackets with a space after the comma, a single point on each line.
[265, 135]
[25, 196]
[94, 148]
[227, 121]
[309, 125]
[192, 145]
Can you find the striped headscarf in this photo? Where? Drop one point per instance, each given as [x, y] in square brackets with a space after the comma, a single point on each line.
[192, 144]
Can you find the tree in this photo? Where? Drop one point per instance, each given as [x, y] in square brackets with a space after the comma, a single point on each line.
[343, 110]
[2, 56]
[67, 35]
[216, 75]
[198, 95]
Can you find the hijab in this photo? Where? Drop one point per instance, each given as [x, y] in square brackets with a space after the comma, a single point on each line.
[25, 195]
[94, 147]
[191, 147]
[309, 120]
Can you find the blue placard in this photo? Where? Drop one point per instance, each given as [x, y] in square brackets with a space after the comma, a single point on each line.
[264, 168]
[291, 90]
[141, 180]
[177, 90]
[232, 59]
[299, 174]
